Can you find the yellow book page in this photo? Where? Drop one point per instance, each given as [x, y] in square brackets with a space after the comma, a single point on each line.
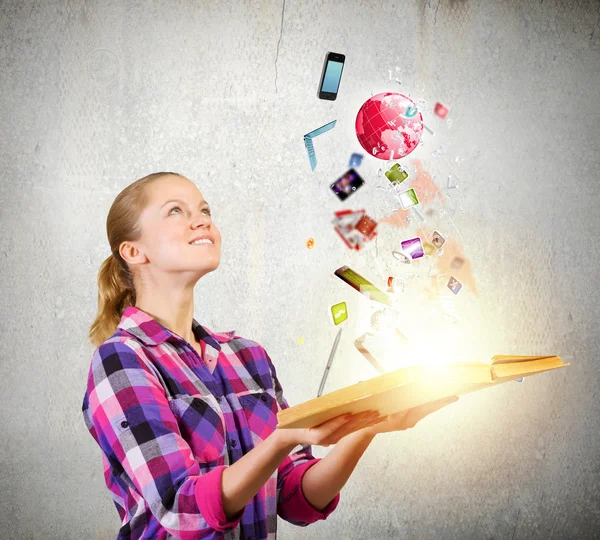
[389, 393]
[525, 366]
[413, 386]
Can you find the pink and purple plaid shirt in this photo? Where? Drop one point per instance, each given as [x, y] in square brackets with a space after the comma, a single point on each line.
[168, 423]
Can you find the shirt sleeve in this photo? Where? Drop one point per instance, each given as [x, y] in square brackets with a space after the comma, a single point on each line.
[292, 505]
[131, 420]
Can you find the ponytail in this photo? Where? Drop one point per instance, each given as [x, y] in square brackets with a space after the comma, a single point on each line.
[115, 293]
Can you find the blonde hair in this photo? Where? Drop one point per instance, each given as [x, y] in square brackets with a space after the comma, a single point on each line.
[116, 289]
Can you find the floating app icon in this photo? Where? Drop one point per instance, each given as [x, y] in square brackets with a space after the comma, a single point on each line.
[355, 228]
[454, 285]
[408, 199]
[413, 247]
[440, 110]
[396, 174]
[437, 239]
[355, 160]
[339, 313]
[428, 248]
[366, 225]
[395, 284]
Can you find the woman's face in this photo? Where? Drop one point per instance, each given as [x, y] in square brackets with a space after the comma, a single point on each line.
[169, 225]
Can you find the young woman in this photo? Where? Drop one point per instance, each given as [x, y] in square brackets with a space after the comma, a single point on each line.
[186, 417]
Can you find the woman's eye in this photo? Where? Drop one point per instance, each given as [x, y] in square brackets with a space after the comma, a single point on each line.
[178, 208]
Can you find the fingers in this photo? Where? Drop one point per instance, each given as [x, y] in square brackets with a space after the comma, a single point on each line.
[318, 434]
[334, 424]
[358, 421]
[333, 430]
[361, 421]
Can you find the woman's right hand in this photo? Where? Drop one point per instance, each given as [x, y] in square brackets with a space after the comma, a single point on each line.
[329, 432]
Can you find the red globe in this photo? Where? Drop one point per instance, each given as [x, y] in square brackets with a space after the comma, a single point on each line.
[389, 123]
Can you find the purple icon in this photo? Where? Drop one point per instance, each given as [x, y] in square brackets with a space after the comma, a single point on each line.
[413, 248]
[454, 285]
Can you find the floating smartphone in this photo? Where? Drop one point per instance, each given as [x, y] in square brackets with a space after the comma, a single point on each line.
[356, 281]
[386, 350]
[331, 76]
[346, 185]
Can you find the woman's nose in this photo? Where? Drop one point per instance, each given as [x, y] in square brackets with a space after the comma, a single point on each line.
[201, 220]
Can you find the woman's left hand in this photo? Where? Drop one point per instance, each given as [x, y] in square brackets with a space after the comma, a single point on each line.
[406, 419]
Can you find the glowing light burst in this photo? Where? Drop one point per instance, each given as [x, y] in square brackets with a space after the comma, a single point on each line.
[418, 331]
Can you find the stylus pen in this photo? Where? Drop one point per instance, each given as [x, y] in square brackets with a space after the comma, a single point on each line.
[331, 355]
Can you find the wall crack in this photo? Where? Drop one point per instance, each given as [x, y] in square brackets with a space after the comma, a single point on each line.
[278, 42]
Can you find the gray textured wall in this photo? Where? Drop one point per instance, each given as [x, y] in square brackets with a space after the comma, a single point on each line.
[97, 94]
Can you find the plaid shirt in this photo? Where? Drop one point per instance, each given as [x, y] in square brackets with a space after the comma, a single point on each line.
[168, 424]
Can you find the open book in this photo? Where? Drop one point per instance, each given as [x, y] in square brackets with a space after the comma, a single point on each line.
[415, 385]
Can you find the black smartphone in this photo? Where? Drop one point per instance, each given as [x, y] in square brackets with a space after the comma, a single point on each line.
[346, 185]
[331, 76]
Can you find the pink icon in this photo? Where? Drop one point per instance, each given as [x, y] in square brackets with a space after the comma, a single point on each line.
[413, 248]
[389, 126]
[440, 110]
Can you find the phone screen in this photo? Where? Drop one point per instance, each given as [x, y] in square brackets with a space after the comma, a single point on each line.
[333, 74]
[346, 185]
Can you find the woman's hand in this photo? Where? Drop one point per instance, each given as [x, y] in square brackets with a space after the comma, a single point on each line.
[329, 432]
[406, 419]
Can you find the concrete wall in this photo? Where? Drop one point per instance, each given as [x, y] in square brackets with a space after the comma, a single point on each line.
[97, 94]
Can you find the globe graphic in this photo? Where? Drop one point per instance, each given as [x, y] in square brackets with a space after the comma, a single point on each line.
[389, 126]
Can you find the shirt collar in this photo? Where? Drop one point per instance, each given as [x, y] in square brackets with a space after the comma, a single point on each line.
[149, 331]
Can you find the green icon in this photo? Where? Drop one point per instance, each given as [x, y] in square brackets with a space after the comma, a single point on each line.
[396, 174]
[408, 198]
[339, 313]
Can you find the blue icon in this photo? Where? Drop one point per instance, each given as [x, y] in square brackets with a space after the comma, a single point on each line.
[519, 380]
[355, 160]
[309, 143]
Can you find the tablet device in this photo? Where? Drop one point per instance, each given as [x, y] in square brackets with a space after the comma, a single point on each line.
[356, 281]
